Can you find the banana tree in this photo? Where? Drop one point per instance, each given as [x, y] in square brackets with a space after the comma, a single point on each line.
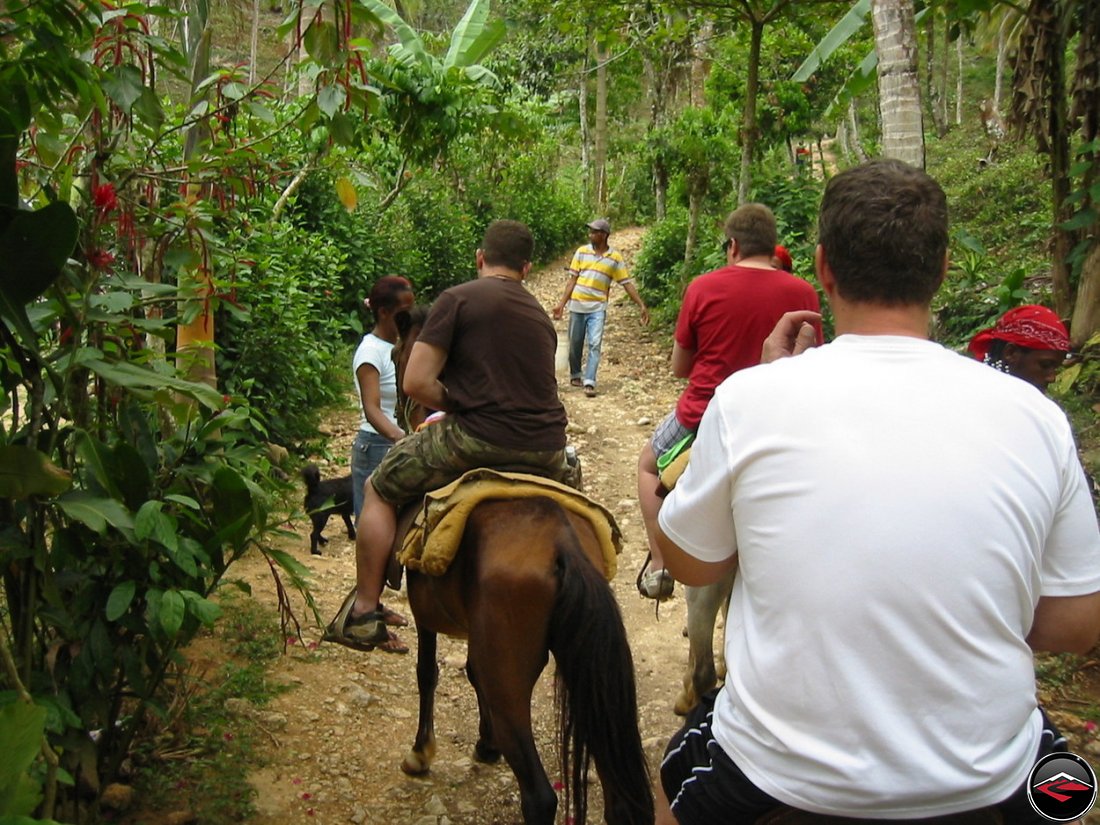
[430, 100]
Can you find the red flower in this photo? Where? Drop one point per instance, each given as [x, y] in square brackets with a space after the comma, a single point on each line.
[104, 198]
[100, 259]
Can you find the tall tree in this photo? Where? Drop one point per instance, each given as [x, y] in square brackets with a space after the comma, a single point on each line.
[898, 85]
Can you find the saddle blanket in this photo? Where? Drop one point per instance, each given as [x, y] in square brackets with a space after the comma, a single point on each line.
[434, 535]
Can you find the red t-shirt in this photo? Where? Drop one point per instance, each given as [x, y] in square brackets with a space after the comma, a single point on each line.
[725, 317]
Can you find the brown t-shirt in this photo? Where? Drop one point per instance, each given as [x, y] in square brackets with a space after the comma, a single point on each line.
[499, 373]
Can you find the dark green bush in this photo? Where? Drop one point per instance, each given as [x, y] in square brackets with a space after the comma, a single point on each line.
[284, 350]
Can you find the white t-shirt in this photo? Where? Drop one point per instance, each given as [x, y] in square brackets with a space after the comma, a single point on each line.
[379, 354]
[897, 510]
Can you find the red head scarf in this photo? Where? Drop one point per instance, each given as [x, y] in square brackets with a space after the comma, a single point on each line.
[784, 257]
[1031, 326]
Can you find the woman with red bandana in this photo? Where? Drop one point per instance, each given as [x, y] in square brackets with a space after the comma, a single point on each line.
[1029, 342]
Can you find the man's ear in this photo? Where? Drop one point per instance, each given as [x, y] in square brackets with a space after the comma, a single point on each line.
[479, 257]
[526, 269]
[943, 272]
[825, 275]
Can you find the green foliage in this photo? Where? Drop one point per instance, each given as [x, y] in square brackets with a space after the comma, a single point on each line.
[281, 354]
[659, 267]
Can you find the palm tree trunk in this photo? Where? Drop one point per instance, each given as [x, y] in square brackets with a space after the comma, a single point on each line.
[1002, 54]
[959, 82]
[899, 89]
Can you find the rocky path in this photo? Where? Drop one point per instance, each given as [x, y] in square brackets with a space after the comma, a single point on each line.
[350, 717]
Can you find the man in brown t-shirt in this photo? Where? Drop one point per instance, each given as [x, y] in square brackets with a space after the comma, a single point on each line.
[486, 357]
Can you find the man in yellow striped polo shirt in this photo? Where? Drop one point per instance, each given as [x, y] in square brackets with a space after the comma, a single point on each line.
[594, 268]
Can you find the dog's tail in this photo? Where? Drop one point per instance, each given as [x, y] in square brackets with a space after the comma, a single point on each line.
[312, 477]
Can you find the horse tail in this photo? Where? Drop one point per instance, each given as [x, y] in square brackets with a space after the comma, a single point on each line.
[595, 691]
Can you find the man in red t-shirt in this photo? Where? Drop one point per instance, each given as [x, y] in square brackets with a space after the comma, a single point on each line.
[723, 321]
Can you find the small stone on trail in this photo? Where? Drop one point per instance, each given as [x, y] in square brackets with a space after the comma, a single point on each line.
[435, 806]
[358, 816]
[644, 421]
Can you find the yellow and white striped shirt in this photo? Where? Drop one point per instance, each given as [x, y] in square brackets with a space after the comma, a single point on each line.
[595, 274]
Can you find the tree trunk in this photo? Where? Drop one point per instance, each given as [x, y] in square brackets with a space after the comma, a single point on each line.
[941, 85]
[748, 120]
[1086, 313]
[254, 43]
[931, 92]
[959, 82]
[853, 126]
[700, 64]
[600, 165]
[195, 340]
[1060, 183]
[586, 135]
[898, 85]
[1002, 54]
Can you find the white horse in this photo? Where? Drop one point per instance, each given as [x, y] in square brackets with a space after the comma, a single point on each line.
[704, 669]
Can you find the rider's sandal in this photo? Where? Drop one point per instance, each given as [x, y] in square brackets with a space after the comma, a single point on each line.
[367, 632]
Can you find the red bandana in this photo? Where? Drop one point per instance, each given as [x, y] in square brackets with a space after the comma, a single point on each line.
[1031, 326]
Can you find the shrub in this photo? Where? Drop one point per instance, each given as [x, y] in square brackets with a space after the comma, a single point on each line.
[283, 348]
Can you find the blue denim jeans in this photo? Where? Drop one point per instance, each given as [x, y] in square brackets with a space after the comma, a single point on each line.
[366, 453]
[585, 327]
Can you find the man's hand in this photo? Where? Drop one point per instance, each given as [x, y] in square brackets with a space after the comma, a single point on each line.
[556, 313]
[645, 316]
[793, 335]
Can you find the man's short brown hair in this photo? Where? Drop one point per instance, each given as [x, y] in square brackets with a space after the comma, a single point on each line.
[753, 227]
[509, 244]
[883, 226]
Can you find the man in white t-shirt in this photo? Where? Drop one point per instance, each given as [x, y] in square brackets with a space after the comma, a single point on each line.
[907, 526]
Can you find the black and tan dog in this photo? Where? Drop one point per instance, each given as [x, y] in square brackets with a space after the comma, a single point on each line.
[324, 498]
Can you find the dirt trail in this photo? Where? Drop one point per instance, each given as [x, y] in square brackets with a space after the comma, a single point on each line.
[350, 717]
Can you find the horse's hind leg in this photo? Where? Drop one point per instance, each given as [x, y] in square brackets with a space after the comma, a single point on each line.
[484, 750]
[703, 604]
[419, 760]
[506, 664]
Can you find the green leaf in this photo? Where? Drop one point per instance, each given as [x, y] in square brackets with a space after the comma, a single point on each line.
[342, 130]
[202, 609]
[21, 728]
[25, 472]
[232, 499]
[410, 47]
[120, 599]
[322, 41]
[124, 86]
[186, 501]
[33, 248]
[466, 33]
[96, 460]
[125, 374]
[848, 26]
[330, 100]
[96, 512]
[1083, 219]
[170, 615]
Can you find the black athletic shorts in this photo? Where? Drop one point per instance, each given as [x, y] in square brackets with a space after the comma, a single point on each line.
[704, 786]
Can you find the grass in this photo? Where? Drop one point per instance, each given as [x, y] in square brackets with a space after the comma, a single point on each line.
[200, 758]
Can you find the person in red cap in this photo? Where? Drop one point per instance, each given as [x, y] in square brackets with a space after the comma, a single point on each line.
[1029, 342]
[781, 259]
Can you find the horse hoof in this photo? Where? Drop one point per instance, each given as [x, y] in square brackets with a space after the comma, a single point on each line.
[486, 753]
[684, 703]
[414, 764]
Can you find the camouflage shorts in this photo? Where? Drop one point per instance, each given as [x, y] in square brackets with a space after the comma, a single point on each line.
[440, 453]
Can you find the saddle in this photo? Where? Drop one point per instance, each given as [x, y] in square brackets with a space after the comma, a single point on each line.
[430, 532]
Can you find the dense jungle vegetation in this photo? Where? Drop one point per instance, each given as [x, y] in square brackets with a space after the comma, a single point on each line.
[196, 195]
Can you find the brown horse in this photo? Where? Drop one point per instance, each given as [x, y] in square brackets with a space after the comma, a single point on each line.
[526, 582]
